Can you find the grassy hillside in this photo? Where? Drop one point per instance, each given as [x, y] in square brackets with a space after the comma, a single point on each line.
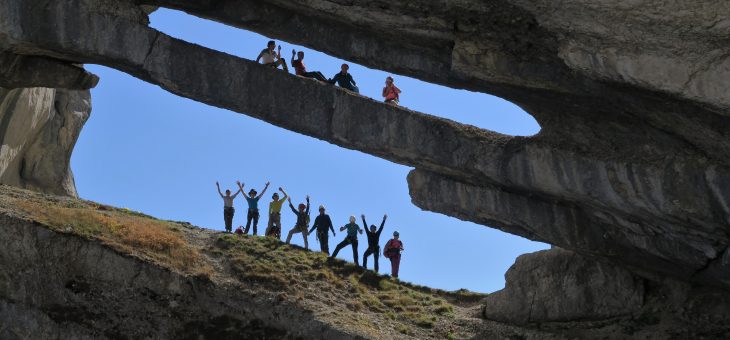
[339, 293]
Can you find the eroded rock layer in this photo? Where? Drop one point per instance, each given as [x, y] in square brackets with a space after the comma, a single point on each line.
[630, 165]
[38, 130]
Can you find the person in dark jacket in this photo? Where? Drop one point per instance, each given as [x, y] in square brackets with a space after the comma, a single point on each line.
[344, 79]
[373, 242]
[302, 221]
[351, 239]
[323, 224]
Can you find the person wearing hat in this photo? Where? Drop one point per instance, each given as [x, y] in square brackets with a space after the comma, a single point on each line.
[302, 222]
[323, 224]
[228, 209]
[253, 209]
[373, 242]
[350, 239]
[392, 251]
[274, 227]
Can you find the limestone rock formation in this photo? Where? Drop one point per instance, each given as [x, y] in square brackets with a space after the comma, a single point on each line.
[630, 166]
[558, 285]
[38, 130]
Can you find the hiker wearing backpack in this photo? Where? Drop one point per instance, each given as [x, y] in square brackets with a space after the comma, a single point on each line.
[302, 222]
[392, 251]
[323, 224]
[373, 242]
[350, 239]
[253, 209]
[228, 209]
[274, 227]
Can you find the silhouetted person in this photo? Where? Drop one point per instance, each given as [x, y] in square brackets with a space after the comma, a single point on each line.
[302, 221]
[373, 242]
[392, 251]
[228, 209]
[344, 79]
[270, 58]
[323, 224]
[350, 239]
[253, 209]
[301, 70]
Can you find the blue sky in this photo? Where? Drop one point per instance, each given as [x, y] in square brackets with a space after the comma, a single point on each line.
[148, 150]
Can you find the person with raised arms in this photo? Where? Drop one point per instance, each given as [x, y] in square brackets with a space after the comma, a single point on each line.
[228, 209]
[274, 227]
[302, 222]
[253, 209]
[373, 242]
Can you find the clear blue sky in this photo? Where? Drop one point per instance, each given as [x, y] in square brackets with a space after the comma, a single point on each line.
[148, 150]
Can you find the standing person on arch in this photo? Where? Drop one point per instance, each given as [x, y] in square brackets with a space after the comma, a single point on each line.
[393, 249]
[373, 242]
[274, 227]
[253, 209]
[302, 222]
[270, 58]
[350, 239]
[323, 224]
[228, 209]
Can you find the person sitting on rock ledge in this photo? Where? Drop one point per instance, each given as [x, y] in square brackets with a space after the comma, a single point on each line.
[391, 92]
[228, 209]
[271, 58]
[344, 79]
[301, 70]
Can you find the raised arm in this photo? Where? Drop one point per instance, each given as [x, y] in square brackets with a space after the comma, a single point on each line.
[283, 192]
[262, 191]
[291, 206]
[307, 211]
[365, 224]
[293, 54]
[217, 185]
[382, 224]
[240, 189]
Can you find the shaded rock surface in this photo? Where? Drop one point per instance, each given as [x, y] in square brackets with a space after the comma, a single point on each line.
[26, 71]
[38, 130]
[638, 170]
[559, 285]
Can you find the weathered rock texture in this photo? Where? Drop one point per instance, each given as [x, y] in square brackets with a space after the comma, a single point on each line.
[38, 130]
[558, 285]
[631, 163]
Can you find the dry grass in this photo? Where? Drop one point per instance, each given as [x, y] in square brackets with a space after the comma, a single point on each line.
[127, 231]
[290, 270]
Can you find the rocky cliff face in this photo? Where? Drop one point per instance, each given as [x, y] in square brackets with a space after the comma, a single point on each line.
[630, 166]
[38, 130]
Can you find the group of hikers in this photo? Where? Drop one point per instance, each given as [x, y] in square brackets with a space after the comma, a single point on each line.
[271, 57]
[322, 225]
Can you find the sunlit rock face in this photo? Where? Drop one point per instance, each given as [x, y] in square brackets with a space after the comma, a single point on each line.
[38, 130]
[631, 163]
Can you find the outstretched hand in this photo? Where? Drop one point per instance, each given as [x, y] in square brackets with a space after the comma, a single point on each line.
[267, 183]
[217, 184]
[293, 52]
[307, 197]
[385, 217]
[363, 215]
